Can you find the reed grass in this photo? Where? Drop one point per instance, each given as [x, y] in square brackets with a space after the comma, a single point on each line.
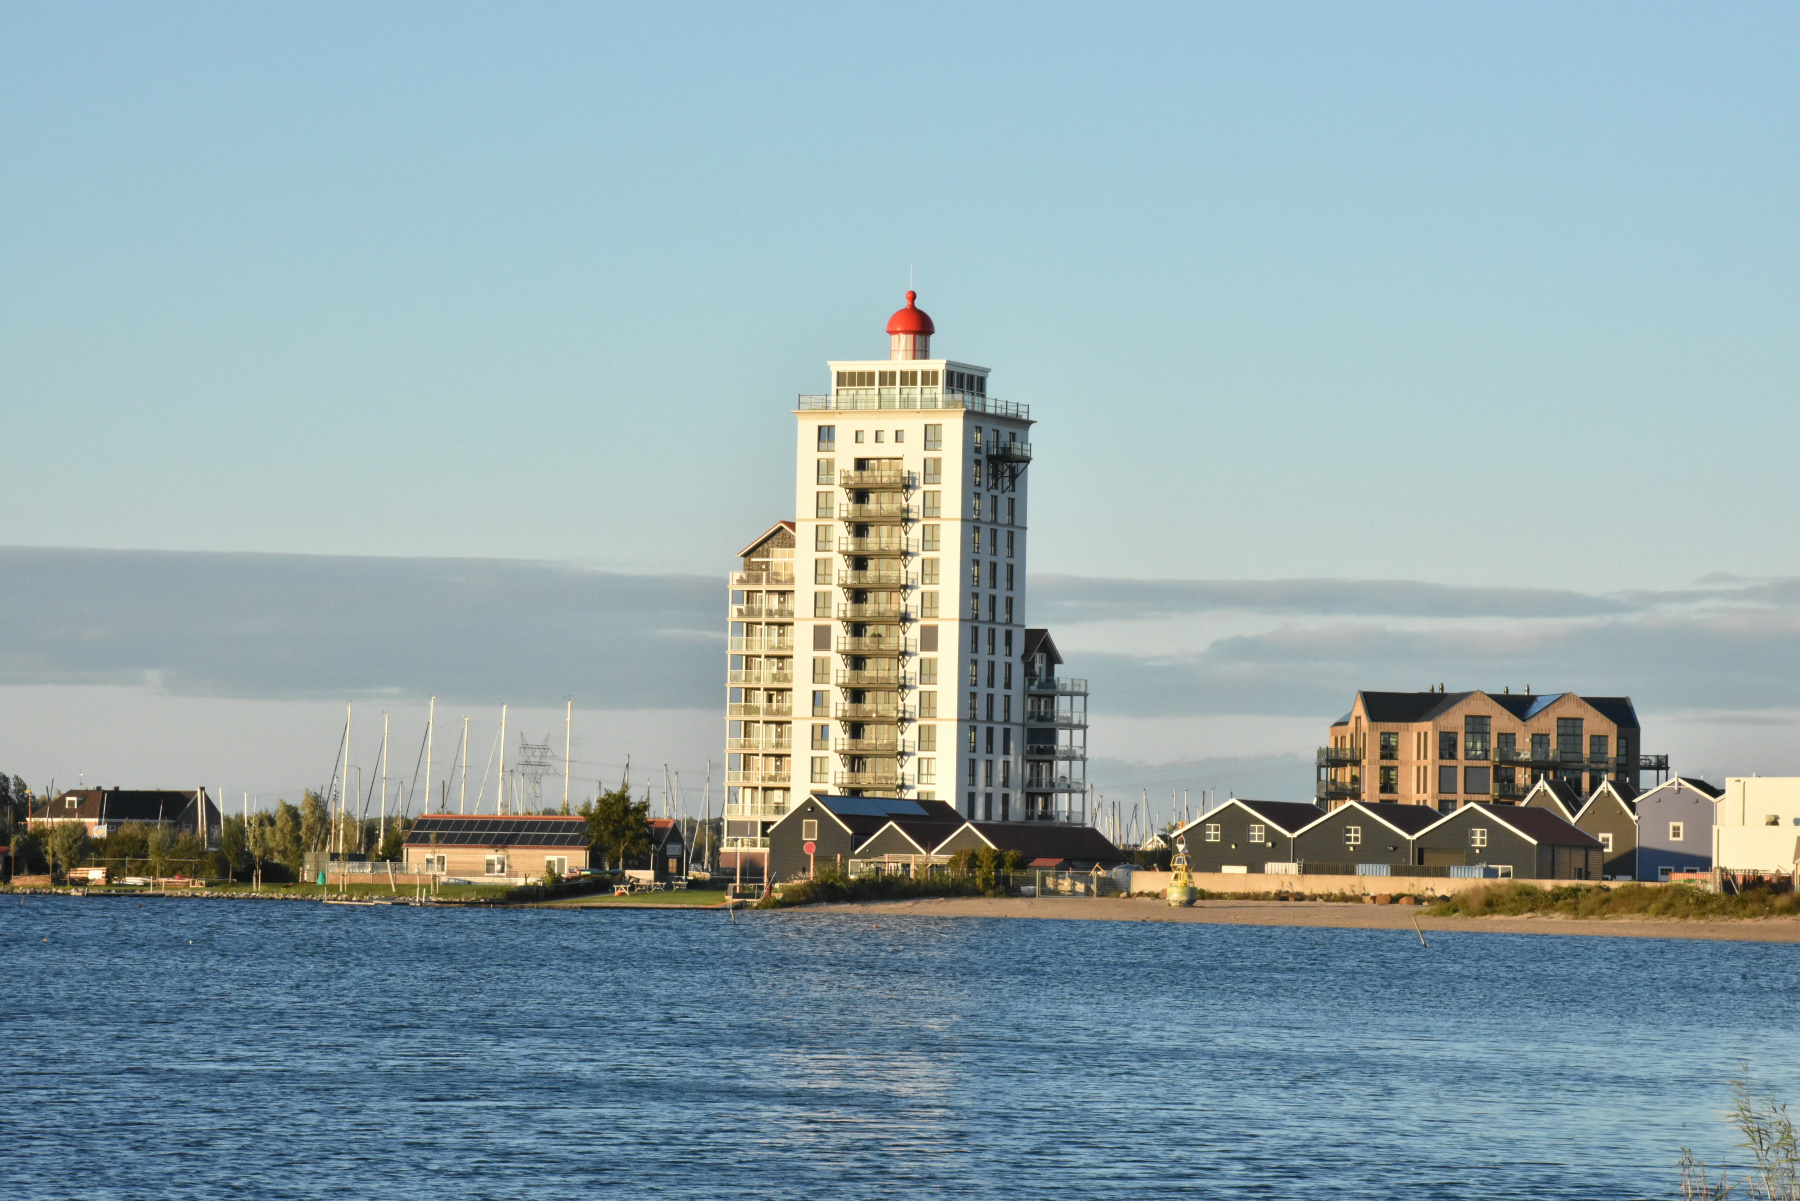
[1770, 1138]
[1628, 900]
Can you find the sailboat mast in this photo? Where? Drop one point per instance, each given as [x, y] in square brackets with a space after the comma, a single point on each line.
[349, 710]
[430, 721]
[568, 742]
[384, 779]
[462, 801]
[500, 780]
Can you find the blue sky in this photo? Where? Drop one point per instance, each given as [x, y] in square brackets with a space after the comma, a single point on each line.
[1478, 296]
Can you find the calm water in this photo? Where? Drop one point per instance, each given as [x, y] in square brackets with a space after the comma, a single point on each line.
[182, 1048]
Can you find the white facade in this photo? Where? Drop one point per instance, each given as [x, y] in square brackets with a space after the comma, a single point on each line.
[902, 638]
[1758, 827]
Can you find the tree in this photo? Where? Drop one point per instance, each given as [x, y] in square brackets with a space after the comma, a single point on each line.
[315, 824]
[394, 845]
[68, 846]
[288, 841]
[234, 846]
[618, 826]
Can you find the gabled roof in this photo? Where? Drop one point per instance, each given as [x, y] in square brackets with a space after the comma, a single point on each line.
[1039, 640]
[1694, 782]
[1409, 707]
[1043, 840]
[862, 816]
[1404, 820]
[1538, 826]
[1290, 817]
[464, 830]
[124, 805]
[763, 537]
[1562, 796]
[921, 835]
[664, 830]
[1610, 792]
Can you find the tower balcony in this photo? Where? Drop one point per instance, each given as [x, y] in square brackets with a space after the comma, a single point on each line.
[779, 746]
[764, 612]
[765, 675]
[1339, 756]
[875, 512]
[877, 479]
[1045, 751]
[886, 681]
[1056, 721]
[869, 711]
[743, 710]
[783, 645]
[761, 775]
[884, 614]
[866, 779]
[1002, 450]
[1062, 685]
[762, 579]
[887, 645]
[888, 544]
[887, 576]
[888, 746]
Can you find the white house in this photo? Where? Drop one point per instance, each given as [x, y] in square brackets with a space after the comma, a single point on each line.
[1758, 827]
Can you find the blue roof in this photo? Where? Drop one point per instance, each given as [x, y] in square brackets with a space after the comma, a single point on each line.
[1540, 703]
[871, 806]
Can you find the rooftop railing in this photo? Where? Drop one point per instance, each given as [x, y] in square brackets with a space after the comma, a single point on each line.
[857, 399]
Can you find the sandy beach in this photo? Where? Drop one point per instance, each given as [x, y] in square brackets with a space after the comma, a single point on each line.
[1318, 914]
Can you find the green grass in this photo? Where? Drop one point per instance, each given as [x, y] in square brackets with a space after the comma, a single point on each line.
[1628, 900]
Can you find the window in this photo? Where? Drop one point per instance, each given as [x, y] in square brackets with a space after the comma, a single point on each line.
[1352, 836]
[494, 865]
[1006, 681]
[822, 507]
[822, 537]
[1568, 738]
[1258, 834]
[821, 671]
[974, 606]
[934, 434]
[827, 474]
[1475, 737]
[1540, 747]
[990, 671]
[1476, 782]
[828, 434]
[1390, 780]
[1447, 745]
[880, 435]
[928, 538]
[1606, 841]
[856, 379]
[974, 745]
[859, 435]
[821, 738]
[1211, 830]
[934, 471]
[1012, 511]
[821, 571]
[987, 773]
[1447, 779]
[1478, 836]
[1597, 746]
[1009, 540]
[821, 604]
[974, 672]
[821, 707]
[928, 571]
[928, 604]
[933, 504]
[809, 829]
[977, 471]
[974, 711]
[928, 671]
[1676, 831]
[1009, 580]
[1506, 746]
[927, 708]
[1390, 745]
[975, 574]
[927, 735]
[928, 771]
[436, 863]
[557, 863]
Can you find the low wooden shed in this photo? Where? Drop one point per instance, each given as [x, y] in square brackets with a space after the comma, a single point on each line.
[1524, 843]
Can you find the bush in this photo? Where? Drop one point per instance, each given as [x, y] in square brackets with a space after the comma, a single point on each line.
[1628, 900]
[830, 884]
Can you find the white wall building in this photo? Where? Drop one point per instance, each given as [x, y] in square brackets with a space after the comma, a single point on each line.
[878, 640]
[1758, 826]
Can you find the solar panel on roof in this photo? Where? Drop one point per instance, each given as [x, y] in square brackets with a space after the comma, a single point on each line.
[872, 806]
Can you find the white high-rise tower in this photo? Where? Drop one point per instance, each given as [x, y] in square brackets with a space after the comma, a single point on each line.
[878, 641]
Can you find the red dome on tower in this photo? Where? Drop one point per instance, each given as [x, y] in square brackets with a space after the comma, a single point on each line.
[911, 320]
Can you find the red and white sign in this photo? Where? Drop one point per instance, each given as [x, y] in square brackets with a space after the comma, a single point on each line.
[809, 847]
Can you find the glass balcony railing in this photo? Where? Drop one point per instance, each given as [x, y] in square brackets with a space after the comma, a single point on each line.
[884, 479]
[742, 710]
[875, 644]
[874, 577]
[778, 746]
[760, 776]
[869, 679]
[1059, 684]
[784, 676]
[763, 579]
[875, 512]
[884, 545]
[881, 613]
[758, 645]
[866, 779]
[764, 612]
[856, 399]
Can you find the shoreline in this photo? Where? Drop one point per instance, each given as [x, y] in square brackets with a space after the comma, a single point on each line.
[1318, 915]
